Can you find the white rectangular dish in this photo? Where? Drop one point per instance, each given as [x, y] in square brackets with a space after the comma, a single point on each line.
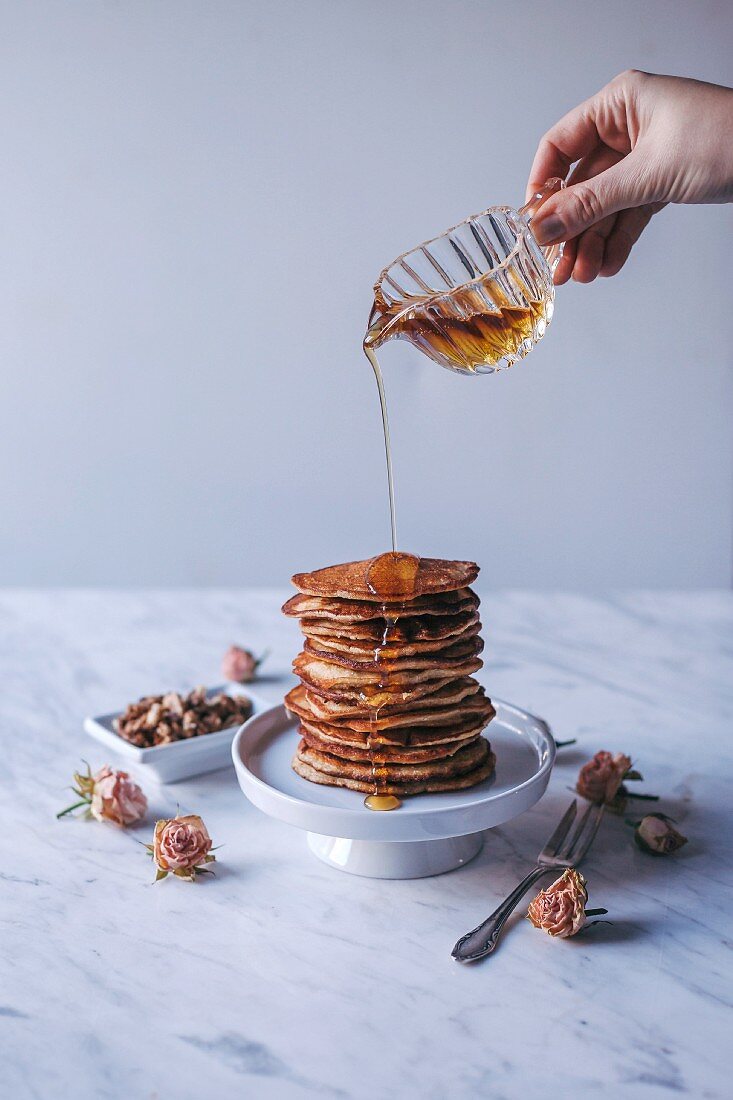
[180, 759]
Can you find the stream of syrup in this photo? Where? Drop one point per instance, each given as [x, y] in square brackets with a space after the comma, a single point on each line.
[371, 356]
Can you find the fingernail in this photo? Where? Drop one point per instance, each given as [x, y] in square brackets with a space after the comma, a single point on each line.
[549, 230]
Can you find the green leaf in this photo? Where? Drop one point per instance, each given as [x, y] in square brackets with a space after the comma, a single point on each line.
[634, 776]
[160, 874]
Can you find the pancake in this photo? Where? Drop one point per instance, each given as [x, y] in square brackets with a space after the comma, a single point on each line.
[464, 760]
[406, 754]
[407, 629]
[323, 768]
[366, 688]
[421, 737]
[400, 790]
[357, 611]
[473, 707]
[365, 580]
[438, 707]
[379, 698]
[384, 664]
[388, 644]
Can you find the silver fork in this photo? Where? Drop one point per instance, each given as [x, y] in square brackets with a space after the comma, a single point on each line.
[565, 848]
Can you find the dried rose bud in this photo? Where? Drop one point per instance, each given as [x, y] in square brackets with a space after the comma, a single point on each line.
[181, 846]
[109, 795]
[656, 834]
[601, 778]
[117, 798]
[560, 909]
[239, 665]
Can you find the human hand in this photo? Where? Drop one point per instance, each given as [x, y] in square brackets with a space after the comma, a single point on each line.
[641, 142]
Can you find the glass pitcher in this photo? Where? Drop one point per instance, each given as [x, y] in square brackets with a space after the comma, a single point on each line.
[474, 299]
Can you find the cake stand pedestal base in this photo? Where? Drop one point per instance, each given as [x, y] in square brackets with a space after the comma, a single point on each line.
[395, 858]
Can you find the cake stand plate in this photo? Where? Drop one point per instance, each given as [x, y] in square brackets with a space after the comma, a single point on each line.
[429, 833]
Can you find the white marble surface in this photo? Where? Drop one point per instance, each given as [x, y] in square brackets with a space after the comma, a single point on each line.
[282, 978]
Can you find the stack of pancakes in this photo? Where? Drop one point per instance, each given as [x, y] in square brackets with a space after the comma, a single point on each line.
[387, 701]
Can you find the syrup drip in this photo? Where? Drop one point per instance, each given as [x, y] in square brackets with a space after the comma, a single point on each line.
[375, 701]
[394, 579]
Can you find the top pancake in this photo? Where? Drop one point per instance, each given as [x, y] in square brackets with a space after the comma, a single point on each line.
[365, 580]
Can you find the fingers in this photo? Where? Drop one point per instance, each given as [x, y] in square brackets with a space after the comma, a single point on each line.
[591, 245]
[583, 255]
[572, 211]
[592, 164]
[611, 193]
[630, 224]
[573, 137]
[604, 248]
[601, 120]
[564, 269]
[591, 250]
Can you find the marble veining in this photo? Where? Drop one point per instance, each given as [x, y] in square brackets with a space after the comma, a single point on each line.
[282, 978]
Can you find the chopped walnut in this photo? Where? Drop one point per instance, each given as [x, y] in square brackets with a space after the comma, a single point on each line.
[161, 719]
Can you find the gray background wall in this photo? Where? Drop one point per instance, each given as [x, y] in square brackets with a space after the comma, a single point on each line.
[195, 199]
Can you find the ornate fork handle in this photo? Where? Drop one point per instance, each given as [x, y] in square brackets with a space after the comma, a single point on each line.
[482, 940]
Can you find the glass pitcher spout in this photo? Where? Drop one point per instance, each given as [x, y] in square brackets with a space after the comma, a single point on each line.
[378, 322]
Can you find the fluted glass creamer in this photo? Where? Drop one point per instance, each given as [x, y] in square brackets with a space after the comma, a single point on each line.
[476, 298]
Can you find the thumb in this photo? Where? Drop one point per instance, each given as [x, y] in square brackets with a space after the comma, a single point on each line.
[569, 212]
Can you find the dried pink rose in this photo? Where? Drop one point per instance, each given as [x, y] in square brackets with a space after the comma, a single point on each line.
[108, 795]
[239, 665]
[601, 778]
[657, 835]
[117, 798]
[560, 909]
[181, 846]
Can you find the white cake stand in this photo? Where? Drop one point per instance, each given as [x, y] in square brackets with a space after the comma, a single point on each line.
[429, 833]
